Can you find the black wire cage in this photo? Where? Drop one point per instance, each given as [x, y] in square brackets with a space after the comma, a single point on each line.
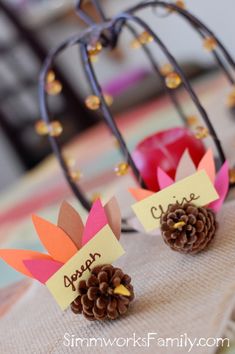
[105, 34]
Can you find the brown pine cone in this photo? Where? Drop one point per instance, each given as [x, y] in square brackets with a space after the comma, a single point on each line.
[188, 228]
[98, 299]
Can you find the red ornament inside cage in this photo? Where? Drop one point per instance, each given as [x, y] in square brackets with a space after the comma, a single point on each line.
[164, 149]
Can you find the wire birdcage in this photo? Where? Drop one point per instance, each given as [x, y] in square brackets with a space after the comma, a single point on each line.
[105, 34]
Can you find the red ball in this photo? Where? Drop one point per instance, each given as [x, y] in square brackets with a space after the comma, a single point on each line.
[164, 149]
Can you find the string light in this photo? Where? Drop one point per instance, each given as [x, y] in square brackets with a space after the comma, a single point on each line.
[50, 76]
[173, 80]
[135, 44]
[93, 102]
[70, 161]
[94, 49]
[108, 99]
[75, 176]
[94, 58]
[122, 169]
[166, 69]
[192, 120]
[53, 87]
[54, 129]
[210, 44]
[201, 132]
[144, 38]
[181, 4]
[41, 128]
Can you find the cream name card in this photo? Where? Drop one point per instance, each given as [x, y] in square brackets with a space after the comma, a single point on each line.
[104, 248]
[196, 189]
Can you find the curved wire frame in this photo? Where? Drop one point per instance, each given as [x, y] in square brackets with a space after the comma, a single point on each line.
[114, 27]
[198, 25]
[85, 17]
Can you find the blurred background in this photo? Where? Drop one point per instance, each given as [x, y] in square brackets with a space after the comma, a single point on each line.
[31, 181]
[29, 28]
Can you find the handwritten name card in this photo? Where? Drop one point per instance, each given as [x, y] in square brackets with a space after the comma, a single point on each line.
[104, 248]
[196, 189]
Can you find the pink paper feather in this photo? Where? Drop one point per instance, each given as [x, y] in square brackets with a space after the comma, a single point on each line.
[15, 258]
[207, 163]
[96, 220]
[164, 180]
[222, 186]
[42, 269]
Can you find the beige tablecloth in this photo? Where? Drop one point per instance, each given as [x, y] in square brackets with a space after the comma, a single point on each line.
[175, 294]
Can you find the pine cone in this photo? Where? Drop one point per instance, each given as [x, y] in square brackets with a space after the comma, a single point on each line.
[98, 298]
[188, 228]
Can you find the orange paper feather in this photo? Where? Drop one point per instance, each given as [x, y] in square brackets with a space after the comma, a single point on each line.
[207, 163]
[55, 240]
[15, 259]
[140, 194]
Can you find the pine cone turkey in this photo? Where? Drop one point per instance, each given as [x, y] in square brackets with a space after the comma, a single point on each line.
[99, 298]
[188, 228]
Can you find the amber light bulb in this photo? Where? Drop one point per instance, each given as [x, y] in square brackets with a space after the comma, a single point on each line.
[173, 80]
[122, 169]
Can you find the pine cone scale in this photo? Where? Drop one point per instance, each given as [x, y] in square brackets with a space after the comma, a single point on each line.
[101, 303]
[97, 300]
